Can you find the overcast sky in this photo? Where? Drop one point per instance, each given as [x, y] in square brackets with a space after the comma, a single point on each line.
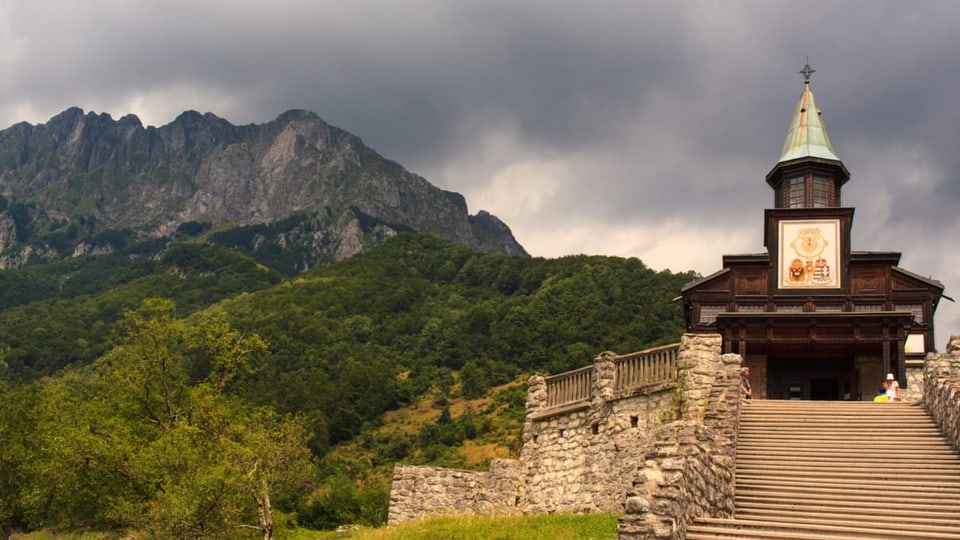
[626, 128]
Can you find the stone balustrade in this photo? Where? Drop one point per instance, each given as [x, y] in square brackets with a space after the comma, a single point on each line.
[647, 367]
[569, 388]
[573, 390]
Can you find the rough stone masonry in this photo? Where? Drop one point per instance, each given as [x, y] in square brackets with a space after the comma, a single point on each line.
[628, 451]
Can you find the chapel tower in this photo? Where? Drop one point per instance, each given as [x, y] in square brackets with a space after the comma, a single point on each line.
[813, 318]
[808, 174]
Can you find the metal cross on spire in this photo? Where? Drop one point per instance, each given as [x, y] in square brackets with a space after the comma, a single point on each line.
[807, 71]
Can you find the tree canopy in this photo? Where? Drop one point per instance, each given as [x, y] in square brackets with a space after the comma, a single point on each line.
[188, 392]
[146, 438]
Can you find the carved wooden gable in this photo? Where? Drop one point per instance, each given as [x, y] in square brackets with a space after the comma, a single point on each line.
[752, 281]
[869, 280]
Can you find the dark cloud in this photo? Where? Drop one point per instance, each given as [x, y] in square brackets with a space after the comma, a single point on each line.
[633, 128]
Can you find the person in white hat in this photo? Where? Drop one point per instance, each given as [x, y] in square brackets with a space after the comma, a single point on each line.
[893, 388]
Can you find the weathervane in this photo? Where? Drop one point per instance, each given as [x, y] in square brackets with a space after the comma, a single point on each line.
[807, 71]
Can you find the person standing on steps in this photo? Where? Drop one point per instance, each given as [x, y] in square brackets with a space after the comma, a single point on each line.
[745, 383]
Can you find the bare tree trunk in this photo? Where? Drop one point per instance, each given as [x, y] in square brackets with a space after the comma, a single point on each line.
[264, 512]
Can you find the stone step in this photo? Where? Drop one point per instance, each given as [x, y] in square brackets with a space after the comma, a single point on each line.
[864, 447]
[851, 471]
[817, 433]
[879, 418]
[779, 513]
[901, 425]
[852, 417]
[806, 437]
[840, 500]
[835, 412]
[836, 409]
[846, 468]
[748, 481]
[938, 455]
[773, 477]
[840, 471]
[889, 424]
[906, 517]
[811, 529]
[759, 484]
[828, 440]
[827, 484]
[861, 431]
[796, 404]
[863, 502]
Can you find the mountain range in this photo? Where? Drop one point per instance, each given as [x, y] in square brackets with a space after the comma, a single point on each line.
[86, 183]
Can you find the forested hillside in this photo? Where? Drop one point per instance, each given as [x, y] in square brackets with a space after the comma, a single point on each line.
[235, 357]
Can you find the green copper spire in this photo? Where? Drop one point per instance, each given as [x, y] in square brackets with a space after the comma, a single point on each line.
[807, 136]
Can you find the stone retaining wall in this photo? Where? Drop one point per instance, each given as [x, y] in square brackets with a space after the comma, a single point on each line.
[419, 491]
[941, 390]
[670, 446]
[691, 470]
[584, 460]
[914, 387]
[575, 458]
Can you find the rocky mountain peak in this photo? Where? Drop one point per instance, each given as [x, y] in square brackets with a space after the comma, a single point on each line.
[96, 173]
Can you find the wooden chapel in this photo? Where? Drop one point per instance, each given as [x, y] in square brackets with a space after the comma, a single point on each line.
[812, 318]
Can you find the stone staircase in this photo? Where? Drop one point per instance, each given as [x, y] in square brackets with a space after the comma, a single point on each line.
[831, 470]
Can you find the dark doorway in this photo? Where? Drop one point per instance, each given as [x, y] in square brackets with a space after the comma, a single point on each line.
[810, 377]
[824, 389]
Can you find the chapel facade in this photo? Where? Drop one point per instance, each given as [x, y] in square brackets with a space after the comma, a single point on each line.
[811, 317]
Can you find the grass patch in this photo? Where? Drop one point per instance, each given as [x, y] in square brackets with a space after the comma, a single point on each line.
[540, 527]
[553, 526]
[51, 535]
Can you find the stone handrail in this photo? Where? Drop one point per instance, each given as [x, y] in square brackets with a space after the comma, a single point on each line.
[646, 367]
[569, 387]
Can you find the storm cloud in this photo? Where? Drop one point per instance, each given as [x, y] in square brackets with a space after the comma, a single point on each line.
[628, 128]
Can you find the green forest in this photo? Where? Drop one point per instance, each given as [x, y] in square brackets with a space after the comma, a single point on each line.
[190, 391]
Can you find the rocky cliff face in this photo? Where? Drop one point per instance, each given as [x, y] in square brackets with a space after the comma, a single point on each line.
[66, 182]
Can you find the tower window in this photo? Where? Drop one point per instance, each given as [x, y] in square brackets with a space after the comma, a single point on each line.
[794, 192]
[821, 192]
